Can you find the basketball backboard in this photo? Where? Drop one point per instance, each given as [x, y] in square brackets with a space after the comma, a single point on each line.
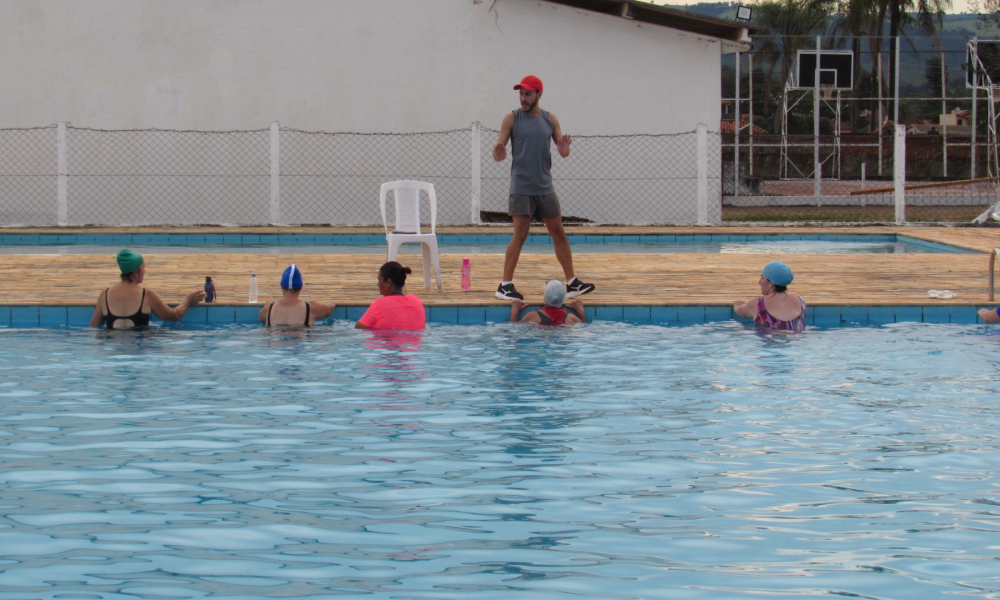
[836, 69]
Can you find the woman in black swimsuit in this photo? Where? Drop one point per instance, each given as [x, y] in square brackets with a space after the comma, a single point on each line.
[290, 310]
[128, 298]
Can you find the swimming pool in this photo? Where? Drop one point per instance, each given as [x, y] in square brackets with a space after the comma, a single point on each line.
[257, 243]
[499, 461]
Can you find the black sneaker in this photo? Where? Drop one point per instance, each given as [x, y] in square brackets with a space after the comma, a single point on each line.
[508, 292]
[578, 288]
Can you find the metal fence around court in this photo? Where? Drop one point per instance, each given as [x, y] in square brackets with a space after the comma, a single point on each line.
[805, 147]
[65, 175]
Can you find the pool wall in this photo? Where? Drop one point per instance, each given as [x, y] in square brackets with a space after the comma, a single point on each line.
[375, 239]
[223, 314]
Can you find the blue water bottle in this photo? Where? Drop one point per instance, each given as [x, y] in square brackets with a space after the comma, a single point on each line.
[209, 290]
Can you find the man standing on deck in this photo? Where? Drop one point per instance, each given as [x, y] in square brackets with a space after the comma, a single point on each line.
[530, 130]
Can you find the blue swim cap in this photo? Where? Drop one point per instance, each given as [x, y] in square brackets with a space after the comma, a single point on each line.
[291, 279]
[778, 273]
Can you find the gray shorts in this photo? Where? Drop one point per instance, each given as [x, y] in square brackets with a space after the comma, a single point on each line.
[545, 206]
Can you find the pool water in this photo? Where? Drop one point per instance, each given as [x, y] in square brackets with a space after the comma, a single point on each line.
[471, 244]
[500, 461]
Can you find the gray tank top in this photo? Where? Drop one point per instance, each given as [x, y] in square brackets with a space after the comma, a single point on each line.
[530, 169]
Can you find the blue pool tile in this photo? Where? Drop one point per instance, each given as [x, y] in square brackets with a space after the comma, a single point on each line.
[880, 315]
[194, 239]
[615, 239]
[339, 313]
[47, 239]
[247, 314]
[218, 239]
[636, 314]
[718, 313]
[250, 239]
[854, 314]
[288, 239]
[649, 239]
[756, 238]
[354, 313]
[590, 312]
[826, 316]
[937, 314]
[666, 239]
[737, 238]
[122, 239]
[691, 314]
[78, 316]
[24, 316]
[72, 239]
[142, 239]
[52, 316]
[4, 316]
[662, 314]
[471, 315]
[497, 314]
[964, 314]
[444, 314]
[720, 237]
[909, 313]
[269, 239]
[576, 239]
[608, 313]
[220, 314]
[104, 239]
[810, 236]
[810, 316]
[195, 314]
[698, 238]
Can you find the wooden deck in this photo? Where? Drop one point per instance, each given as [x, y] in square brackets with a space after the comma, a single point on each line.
[621, 279]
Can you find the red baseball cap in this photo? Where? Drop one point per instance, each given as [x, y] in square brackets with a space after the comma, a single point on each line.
[530, 83]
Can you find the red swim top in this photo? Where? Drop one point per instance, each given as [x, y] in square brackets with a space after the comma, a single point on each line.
[397, 311]
[551, 315]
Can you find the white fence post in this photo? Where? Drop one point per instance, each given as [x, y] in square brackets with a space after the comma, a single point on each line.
[275, 173]
[475, 204]
[899, 174]
[702, 160]
[62, 171]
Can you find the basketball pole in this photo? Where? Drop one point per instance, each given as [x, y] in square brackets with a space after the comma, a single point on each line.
[817, 191]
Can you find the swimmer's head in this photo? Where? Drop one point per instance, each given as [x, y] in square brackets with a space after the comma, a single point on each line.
[778, 273]
[555, 293]
[129, 262]
[395, 273]
[291, 279]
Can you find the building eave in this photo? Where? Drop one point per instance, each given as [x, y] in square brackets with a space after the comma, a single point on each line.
[655, 14]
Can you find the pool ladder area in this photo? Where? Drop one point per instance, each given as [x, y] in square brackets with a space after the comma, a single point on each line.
[993, 261]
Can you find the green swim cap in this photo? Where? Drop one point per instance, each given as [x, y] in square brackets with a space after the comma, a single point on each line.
[128, 260]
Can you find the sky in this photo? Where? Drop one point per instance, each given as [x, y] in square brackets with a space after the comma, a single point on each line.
[957, 6]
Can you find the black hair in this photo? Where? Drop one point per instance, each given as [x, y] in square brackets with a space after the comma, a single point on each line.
[132, 277]
[394, 272]
[780, 288]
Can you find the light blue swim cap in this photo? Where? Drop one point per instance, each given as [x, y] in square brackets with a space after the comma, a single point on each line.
[778, 273]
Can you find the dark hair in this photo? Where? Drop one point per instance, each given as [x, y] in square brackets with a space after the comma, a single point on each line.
[780, 288]
[394, 272]
[132, 277]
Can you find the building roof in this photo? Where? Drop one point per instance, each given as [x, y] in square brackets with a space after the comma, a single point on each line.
[665, 16]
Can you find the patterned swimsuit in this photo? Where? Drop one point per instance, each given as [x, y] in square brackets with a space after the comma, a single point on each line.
[767, 321]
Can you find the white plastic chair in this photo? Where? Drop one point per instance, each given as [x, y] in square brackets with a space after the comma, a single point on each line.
[407, 196]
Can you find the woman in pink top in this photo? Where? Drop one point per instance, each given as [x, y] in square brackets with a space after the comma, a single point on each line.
[395, 309]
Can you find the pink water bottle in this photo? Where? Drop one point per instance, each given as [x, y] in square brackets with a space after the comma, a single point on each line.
[466, 275]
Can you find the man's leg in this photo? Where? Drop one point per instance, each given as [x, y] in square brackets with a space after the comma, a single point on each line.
[522, 224]
[564, 254]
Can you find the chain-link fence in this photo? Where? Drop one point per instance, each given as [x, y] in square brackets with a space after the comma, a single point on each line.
[640, 179]
[781, 121]
[78, 176]
[29, 181]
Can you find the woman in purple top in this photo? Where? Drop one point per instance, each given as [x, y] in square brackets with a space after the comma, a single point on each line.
[775, 309]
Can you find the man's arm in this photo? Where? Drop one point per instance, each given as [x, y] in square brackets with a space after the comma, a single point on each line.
[500, 150]
[562, 141]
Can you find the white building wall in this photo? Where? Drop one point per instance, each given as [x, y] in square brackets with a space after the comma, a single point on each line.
[345, 65]
[366, 66]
